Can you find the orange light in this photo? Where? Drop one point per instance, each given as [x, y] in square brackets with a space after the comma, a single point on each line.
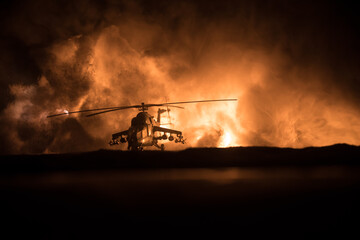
[226, 140]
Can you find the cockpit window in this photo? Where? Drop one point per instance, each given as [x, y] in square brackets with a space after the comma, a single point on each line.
[144, 132]
[149, 131]
[138, 135]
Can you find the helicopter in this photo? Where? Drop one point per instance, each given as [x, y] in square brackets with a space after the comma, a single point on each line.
[144, 130]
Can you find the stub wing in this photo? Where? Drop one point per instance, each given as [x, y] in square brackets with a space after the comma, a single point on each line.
[167, 130]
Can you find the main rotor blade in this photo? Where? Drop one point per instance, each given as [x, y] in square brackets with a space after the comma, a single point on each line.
[167, 105]
[80, 111]
[215, 100]
[90, 110]
[135, 106]
[112, 110]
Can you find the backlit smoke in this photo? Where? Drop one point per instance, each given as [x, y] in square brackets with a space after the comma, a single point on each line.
[294, 89]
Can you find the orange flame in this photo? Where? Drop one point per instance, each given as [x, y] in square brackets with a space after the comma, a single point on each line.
[128, 62]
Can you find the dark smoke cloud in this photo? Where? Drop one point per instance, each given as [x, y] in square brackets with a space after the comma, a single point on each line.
[293, 65]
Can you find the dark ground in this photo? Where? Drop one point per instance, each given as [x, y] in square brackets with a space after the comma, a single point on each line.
[253, 191]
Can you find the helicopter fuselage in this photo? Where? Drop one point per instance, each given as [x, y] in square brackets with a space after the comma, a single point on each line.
[141, 129]
[145, 131]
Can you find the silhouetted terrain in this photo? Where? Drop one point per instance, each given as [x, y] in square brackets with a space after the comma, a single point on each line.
[245, 190]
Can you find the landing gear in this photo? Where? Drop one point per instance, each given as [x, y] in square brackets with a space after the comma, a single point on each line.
[133, 147]
[136, 148]
[162, 146]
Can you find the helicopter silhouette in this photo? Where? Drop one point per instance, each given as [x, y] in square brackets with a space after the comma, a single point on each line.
[144, 130]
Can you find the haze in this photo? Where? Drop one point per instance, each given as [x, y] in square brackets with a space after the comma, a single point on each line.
[293, 66]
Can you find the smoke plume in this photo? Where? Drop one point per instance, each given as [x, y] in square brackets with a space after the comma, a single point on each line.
[293, 66]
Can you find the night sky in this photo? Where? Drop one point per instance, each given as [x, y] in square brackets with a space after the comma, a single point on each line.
[293, 65]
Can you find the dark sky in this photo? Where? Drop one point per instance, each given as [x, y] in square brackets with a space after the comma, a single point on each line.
[314, 42]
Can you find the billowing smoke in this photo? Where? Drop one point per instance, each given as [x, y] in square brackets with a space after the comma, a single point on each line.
[292, 66]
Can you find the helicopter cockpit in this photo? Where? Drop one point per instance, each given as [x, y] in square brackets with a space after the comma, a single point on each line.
[142, 124]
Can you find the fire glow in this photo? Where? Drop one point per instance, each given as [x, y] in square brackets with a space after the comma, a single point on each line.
[281, 101]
